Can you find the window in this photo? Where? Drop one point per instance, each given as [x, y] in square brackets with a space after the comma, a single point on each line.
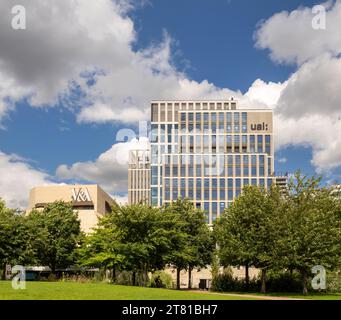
[198, 143]
[198, 170]
[261, 171]
[207, 210]
[269, 182]
[190, 183]
[229, 143]
[154, 133]
[236, 143]
[236, 122]
[214, 211]
[221, 121]
[206, 183]
[206, 117]
[167, 171]
[252, 143]
[206, 194]
[260, 143]
[154, 192]
[183, 183]
[155, 117]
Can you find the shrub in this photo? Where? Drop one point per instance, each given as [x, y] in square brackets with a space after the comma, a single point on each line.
[160, 279]
[277, 281]
[226, 282]
[333, 281]
[284, 281]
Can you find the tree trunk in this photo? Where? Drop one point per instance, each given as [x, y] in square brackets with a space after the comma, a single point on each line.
[113, 276]
[3, 273]
[178, 278]
[145, 276]
[263, 288]
[305, 282]
[190, 278]
[134, 278]
[53, 269]
[247, 276]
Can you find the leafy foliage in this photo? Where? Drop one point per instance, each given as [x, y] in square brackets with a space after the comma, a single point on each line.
[55, 235]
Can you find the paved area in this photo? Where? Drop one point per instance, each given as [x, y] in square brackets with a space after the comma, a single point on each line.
[251, 296]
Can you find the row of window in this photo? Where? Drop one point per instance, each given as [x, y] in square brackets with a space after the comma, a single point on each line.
[214, 116]
[213, 160]
[215, 144]
[166, 114]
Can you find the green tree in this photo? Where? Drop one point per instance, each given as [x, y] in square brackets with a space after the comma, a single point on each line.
[145, 236]
[56, 235]
[101, 249]
[193, 244]
[247, 232]
[15, 235]
[311, 230]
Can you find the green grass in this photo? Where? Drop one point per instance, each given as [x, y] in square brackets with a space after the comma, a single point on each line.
[101, 291]
[97, 291]
[310, 296]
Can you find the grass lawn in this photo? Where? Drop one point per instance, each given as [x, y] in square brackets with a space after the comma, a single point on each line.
[102, 291]
[98, 291]
[311, 296]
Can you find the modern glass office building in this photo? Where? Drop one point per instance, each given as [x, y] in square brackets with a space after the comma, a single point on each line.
[207, 151]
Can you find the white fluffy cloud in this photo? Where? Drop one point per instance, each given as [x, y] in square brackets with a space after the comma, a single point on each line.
[313, 89]
[291, 38]
[266, 93]
[17, 178]
[110, 169]
[67, 40]
[308, 108]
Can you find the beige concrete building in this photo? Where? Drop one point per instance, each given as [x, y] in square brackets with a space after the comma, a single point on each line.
[206, 274]
[90, 201]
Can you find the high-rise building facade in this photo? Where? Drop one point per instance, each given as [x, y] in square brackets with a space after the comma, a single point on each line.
[207, 151]
[139, 177]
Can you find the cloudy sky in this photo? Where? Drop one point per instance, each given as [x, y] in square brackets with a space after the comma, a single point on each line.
[82, 71]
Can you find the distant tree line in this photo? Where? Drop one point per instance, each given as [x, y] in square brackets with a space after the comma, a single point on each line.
[262, 228]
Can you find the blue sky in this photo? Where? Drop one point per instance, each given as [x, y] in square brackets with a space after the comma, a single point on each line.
[208, 40]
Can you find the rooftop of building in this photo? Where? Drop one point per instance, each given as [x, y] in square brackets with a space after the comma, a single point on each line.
[232, 100]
